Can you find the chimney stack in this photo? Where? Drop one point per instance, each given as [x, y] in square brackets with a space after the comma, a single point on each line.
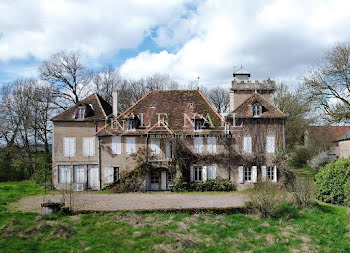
[115, 102]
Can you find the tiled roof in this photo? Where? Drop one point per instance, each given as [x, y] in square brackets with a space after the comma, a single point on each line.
[174, 103]
[245, 109]
[336, 133]
[101, 109]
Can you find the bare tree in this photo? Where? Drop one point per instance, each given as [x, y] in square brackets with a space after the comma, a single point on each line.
[66, 72]
[105, 81]
[329, 82]
[160, 81]
[220, 98]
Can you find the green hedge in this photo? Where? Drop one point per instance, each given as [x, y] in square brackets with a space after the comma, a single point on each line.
[332, 181]
[208, 185]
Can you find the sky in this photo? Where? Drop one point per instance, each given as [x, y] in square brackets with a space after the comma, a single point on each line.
[185, 39]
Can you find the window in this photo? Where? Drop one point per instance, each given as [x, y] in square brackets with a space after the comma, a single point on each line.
[153, 106]
[270, 144]
[197, 173]
[198, 125]
[191, 105]
[270, 173]
[80, 113]
[130, 145]
[257, 109]
[116, 145]
[89, 146]
[131, 125]
[78, 174]
[247, 144]
[115, 174]
[155, 146]
[247, 174]
[64, 174]
[154, 177]
[198, 144]
[69, 147]
[211, 145]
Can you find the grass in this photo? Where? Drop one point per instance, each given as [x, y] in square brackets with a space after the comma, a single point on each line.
[302, 171]
[323, 228]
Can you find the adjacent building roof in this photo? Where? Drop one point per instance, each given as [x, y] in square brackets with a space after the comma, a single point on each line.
[336, 133]
[245, 109]
[100, 110]
[179, 107]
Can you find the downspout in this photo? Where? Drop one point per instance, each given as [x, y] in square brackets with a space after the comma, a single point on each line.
[99, 157]
[146, 148]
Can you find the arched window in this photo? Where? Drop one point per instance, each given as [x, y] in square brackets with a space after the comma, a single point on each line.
[257, 109]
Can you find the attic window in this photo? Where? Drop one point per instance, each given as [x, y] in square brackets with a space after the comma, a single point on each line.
[80, 113]
[191, 105]
[131, 125]
[257, 109]
[153, 106]
[198, 123]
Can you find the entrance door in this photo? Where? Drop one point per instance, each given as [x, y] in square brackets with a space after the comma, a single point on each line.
[155, 181]
[164, 181]
[93, 177]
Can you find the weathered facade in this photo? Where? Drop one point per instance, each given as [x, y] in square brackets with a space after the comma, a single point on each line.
[239, 147]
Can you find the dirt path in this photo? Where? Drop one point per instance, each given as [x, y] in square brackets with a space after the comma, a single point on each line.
[136, 201]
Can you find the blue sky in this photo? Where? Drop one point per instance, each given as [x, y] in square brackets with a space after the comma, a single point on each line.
[186, 39]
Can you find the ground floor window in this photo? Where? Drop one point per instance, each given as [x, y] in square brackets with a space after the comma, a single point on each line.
[247, 174]
[155, 177]
[64, 174]
[197, 173]
[115, 174]
[270, 173]
[78, 174]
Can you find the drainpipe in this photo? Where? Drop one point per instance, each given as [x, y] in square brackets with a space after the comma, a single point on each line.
[146, 147]
[99, 161]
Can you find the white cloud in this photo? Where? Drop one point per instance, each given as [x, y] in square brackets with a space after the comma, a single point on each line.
[270, 38]
[39, 27]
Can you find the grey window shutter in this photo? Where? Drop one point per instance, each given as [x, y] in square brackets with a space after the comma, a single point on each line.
[204, 173]
[263, 173]
[240, 174]
[191, 174]
[275, 174]
[254, 174]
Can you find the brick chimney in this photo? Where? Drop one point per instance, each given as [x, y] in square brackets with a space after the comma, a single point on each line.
[115, 102]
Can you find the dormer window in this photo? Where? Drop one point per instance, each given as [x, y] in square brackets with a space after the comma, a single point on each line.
[131, 125]
[191, 105]
[153, 106]
[80, 113]
[257, 109]
[198, 123]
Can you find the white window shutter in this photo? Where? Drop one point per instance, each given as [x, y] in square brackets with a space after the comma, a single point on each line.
[240, 174]
[204, 173]
[109, 175]
[86, 148]
[270, 144]
[213, 143]
[200, 145]
[212, 172]
[254, 174]
[191, 173]
[263, 173]
[72, 147]
[116, 145]
[247, 144]
[275, 174]
[68, 173]
[66, 146]
[130, 145]
[168, 150]
[92, 146]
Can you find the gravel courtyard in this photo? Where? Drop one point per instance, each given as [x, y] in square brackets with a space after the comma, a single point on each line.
[135, 201]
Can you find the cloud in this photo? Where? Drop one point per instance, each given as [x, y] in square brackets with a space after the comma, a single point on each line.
[39, 28]
[270, 38]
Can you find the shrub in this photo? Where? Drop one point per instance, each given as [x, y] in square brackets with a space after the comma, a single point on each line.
[331, 181]
[300, 156]
[268, 200]
[319, 160]
[208, 185]
[302, 191]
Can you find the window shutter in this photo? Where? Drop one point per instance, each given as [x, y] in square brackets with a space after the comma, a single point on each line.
[168, 150]
[263, 173]
[92, 146]
[212, 172]
[72, 147]
[211, 145]
[130, 145]
[66, 147]
[275, 174]
[155, 146]
[116, 145]
[247, 144]
[191, 173]
[109, 175]
[270, 144]
[204, 173]
[254, 174]
[240, 174]
[200, 145]
[86, 146]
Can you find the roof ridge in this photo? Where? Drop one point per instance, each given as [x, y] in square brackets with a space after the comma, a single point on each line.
[99, 103]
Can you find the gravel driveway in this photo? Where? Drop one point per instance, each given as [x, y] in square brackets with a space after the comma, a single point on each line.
[135, 201]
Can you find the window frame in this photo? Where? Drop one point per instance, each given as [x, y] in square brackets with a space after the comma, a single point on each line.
[197, 173]
[80, 113]
[195, 125]
[270, 173]
[155, 175]
[247, 174]
[257, 109]
[131, 125]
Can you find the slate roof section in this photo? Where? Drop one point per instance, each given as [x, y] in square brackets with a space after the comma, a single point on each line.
[245, 109]
[101, 109]
[174, 103]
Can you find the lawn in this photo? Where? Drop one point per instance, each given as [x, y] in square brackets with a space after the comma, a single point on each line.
[323, 228]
